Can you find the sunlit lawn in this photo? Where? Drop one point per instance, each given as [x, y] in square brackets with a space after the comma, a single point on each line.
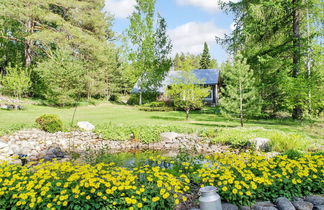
[128, 115]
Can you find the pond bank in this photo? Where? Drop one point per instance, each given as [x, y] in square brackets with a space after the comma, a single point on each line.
[34, 144]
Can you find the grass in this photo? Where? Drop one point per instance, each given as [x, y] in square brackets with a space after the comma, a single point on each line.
[105, 113]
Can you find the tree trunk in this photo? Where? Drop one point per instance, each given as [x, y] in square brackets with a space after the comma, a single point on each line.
[241, 103]
[297, 111]
[28, 44]
[140, 98]
[187, 114]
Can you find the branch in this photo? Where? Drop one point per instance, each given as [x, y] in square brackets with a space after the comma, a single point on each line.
[12, 39]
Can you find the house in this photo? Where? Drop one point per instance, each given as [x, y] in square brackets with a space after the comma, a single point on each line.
[205, 77]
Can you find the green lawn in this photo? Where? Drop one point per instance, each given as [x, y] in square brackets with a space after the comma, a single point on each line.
[128, 115]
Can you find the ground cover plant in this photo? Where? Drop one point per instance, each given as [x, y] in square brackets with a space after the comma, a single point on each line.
[159, 182]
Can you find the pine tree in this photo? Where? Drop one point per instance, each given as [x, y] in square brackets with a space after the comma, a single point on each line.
[205, 58]
[239, 97]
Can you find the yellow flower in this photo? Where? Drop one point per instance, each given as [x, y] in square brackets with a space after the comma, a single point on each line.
[88, 197]
[49, 205]
[65, 203]
[139, 205]
[184, 198]
[248, 193]
[234, 191]
[31, 205]
[155, 199]
[224, 189]
[177, 201]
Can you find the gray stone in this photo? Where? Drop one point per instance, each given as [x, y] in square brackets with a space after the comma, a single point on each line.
[284, 204]
[318, 207]
[302, 205]
[54, 152]
[297, 199]
[229, 206]
[261, 144]
[245, 208]
[169, 136]
[86, 126]
[3, 145]
[315, 199]
[264, 205]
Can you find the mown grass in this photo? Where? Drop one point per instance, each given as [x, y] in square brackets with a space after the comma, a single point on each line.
[122, 115]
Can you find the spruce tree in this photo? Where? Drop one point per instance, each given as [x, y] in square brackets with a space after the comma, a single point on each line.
[239, 96]
[205, 58]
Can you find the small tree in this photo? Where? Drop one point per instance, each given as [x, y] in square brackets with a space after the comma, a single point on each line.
[239, 95]
[186, 94]
[205, 58]
[16, 81]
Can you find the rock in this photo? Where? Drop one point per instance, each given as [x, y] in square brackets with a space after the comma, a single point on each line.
[169, 136]
[86, 126]
[245, 208]
[54, 152]
[261, 144]
[314, 199]
[3, 145]
[302, 205]
[318, 207]
[284, 204]
[229, 206]
[264, 205]
[297, 199]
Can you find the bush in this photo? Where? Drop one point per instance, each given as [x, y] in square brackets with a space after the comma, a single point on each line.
[114, 98]
[50, 123]
[147, 97]
[155, 104]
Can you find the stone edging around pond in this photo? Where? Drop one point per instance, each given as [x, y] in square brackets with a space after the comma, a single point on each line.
[35, 144]
[311, 202]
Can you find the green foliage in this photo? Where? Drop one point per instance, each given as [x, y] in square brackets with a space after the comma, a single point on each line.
[16, 81]
[155, 106]
[282, 142]
[13, 128]
[239, 97]
[186, 62]
[293, 154]
[236, 138]
[50, 123]
[63, 76]
[186, 94]
[145, 134]
[147, 97]
[283, 58]
[205, 62]
[150, 47]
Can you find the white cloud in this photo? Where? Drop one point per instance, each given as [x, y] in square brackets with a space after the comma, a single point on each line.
[120, 8]
[190, 37]
[208, 5]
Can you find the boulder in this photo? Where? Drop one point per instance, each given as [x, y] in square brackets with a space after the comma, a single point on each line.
[314, 199]
[284, 204]
[229, 206]
[264, 205]
[261, 144]
[319, 207]
[86, 126]
[3, 145]
[302, 205]
[169, 136]
[54, 152]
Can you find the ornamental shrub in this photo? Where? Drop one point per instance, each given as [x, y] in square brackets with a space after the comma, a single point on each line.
[50, 123]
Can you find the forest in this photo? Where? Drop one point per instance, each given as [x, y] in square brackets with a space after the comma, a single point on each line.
[65, 51]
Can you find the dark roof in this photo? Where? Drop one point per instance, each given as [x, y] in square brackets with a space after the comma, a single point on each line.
[205, 76]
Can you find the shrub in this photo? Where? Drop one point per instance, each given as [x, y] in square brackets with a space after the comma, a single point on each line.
[155, 104]
[50, 123]
[147, 97]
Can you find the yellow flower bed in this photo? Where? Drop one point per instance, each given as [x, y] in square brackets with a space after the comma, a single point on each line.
[55, 185]
[245, 178]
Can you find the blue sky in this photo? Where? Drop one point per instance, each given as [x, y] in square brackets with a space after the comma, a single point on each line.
[190, 23]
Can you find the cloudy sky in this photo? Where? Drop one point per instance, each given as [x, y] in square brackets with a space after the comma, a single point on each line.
[190, 23]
